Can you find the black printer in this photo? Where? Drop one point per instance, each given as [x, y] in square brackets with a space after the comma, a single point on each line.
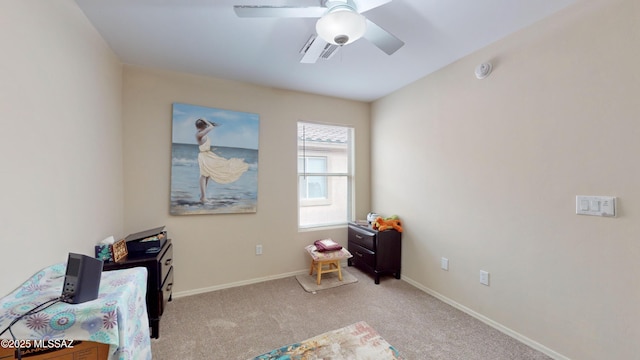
[146, 242]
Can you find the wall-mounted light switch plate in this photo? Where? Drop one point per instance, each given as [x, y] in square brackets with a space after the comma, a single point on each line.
[596, 205]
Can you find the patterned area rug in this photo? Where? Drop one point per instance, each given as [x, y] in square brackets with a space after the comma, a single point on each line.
[358, 341]
[329, 280]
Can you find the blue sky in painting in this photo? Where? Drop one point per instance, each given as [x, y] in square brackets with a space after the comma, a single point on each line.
[237, 129]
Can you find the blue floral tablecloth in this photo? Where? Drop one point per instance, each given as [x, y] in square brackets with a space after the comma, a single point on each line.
[118, 316]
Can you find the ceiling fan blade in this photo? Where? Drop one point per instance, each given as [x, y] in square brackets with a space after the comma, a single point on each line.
[381, 38]
[313, 52]
[279, 11]
[366, 5]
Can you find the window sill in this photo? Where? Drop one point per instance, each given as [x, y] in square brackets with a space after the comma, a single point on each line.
[322, 227]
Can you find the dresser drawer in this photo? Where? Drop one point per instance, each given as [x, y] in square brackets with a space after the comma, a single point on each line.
[165, 263]
[362, 255]
[361, 237]
[166, 291]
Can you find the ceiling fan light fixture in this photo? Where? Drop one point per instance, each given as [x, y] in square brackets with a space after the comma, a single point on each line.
[341, 26]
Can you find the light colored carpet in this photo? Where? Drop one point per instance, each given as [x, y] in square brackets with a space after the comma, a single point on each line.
[243, 322]
[329, 281]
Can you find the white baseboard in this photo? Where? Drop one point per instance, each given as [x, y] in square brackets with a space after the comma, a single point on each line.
[514, 334]
[235, 284]
[241, 283]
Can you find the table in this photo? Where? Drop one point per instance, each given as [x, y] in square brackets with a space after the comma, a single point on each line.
[329, 258]
[118, 317]
[159, 280]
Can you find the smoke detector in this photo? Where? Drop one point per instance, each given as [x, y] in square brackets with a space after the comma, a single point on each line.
[483, 70]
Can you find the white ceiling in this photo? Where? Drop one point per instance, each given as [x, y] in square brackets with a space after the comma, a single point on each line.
[206, 37]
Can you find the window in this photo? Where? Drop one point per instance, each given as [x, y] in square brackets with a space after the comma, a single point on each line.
[325, 174]
[313, 187]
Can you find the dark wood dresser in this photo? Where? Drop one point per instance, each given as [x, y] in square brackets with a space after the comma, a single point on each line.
[378, 252]
[159, 280]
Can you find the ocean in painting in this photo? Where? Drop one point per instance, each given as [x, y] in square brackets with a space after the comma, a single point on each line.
[240, 196]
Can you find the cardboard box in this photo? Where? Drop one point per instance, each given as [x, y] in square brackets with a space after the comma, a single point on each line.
[80, 350]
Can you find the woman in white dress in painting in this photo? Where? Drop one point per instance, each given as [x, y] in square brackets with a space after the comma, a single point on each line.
[212, 166]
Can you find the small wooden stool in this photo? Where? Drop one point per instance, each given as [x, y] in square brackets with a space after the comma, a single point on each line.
[330, 259]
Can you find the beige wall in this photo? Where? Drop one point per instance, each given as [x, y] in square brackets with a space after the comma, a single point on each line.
[496, 164]
[60, 137]
[218, 250]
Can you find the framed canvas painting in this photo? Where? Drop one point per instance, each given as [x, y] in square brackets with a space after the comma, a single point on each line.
[214, 161]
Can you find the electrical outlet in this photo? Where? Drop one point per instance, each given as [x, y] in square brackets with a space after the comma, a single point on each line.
[484, 277]
[258, 249]
[444, 263]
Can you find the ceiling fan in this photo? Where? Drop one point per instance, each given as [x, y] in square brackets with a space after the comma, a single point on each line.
[340, 23]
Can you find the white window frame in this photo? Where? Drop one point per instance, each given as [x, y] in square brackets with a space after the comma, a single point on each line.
[349, 175]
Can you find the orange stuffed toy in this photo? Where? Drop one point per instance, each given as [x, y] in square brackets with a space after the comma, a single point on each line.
[392, 222]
